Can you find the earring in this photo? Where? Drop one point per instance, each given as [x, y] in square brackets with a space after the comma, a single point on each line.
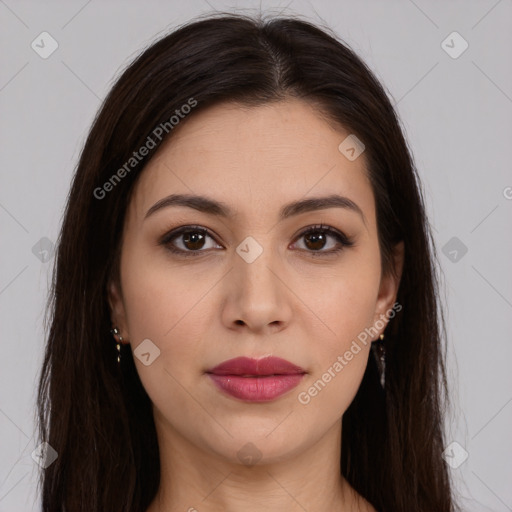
[115, 332]
[379, 352]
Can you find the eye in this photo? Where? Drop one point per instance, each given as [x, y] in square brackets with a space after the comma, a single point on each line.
[316, 237]
[192, 239]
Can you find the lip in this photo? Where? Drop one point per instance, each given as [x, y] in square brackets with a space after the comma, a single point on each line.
[256, 380]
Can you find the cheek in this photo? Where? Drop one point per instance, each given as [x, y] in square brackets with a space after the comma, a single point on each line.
[157, 295]
[170, 307]
[328, 394]
[162, 306]
[346, 306]
[340, 356]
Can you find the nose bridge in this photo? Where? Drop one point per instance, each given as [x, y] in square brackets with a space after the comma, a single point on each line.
[254, 263]
[258, 294]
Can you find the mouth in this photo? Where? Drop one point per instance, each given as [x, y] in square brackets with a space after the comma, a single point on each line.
[256, 380]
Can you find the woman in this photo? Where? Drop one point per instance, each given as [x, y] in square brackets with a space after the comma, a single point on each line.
[244, 310]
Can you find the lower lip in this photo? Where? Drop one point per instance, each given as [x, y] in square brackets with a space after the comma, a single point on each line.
[256, 389]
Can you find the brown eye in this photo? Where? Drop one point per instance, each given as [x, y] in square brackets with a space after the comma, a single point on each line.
[193, 240]
[188, 240]
[316, 238]
[315, 241]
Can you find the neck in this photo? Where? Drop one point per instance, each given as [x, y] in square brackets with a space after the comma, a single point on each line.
[193, 479]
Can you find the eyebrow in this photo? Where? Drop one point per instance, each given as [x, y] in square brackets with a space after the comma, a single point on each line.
[220, 209]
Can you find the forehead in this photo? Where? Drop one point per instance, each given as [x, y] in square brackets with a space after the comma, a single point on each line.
[255, 159]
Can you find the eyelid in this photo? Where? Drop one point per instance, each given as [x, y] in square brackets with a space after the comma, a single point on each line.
[330, 230]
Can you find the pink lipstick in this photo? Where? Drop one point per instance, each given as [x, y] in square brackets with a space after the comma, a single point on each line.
[256, 380]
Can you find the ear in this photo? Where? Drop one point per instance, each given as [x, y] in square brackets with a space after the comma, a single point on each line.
[389, 285]
[117, 309]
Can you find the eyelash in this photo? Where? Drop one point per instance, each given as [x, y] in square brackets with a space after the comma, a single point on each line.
[342, 239]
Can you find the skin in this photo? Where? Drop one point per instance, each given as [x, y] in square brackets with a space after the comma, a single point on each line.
[202, 310]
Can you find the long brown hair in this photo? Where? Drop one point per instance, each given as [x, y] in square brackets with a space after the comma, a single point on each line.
[98, 416]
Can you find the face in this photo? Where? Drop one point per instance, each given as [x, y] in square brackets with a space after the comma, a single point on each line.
[252, 283]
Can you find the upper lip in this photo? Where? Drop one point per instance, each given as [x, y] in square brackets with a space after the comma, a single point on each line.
[246, 366]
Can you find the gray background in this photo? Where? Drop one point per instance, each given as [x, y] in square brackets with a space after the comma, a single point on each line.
[457, 116]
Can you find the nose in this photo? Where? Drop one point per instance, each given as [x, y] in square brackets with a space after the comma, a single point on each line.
[257, 295]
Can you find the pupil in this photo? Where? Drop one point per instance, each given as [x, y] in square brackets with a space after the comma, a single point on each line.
[194, 239]
[317, 240]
